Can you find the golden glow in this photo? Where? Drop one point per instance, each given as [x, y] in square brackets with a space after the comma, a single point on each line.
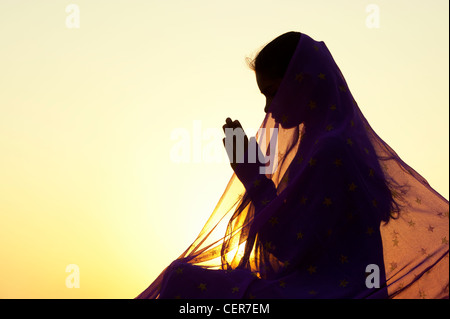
[86, 117]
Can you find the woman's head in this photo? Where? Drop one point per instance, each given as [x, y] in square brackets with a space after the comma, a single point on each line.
[271, 63]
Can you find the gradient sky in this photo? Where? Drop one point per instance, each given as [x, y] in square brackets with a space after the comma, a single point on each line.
[88, 115]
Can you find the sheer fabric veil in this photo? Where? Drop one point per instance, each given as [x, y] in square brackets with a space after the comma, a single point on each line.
[335, 203]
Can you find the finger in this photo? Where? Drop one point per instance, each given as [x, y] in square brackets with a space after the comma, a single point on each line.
[227, 129]
[230, 149]
[228, 124]
[256, 151]
[237, 125]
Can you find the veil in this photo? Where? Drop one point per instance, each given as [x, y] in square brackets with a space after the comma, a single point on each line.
[338, 215]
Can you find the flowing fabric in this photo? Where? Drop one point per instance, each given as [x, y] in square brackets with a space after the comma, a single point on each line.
[340, 215]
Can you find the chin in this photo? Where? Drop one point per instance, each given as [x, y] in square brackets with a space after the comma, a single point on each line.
[290, 124]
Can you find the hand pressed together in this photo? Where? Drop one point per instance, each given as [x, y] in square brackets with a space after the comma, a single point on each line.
[244, 154]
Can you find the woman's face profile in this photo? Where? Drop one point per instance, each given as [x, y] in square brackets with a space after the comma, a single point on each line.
[269, 87]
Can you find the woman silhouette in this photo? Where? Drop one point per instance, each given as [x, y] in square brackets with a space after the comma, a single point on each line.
[336, 215]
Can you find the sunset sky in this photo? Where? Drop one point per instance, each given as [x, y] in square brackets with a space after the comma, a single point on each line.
[90, 116]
